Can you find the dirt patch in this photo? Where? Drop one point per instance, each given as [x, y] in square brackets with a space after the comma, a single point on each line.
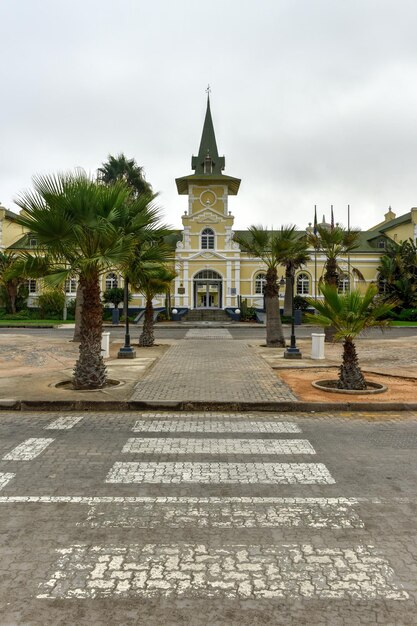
[399, 389]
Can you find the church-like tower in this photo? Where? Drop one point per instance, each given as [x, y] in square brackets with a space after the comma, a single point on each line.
[207, 258]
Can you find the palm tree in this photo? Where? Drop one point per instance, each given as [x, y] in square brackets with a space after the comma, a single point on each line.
[82, 225]
[349, 314]
[264, 245]
[334, 243]
[293, 254]
[398, 271]
[122, 168]
[156, 282]
[11, 279]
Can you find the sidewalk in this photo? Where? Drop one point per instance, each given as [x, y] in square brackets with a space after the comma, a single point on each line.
[207, 369]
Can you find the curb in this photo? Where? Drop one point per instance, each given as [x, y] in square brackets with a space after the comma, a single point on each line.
[284, 407]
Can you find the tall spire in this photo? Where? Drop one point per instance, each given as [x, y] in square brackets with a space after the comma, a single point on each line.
[208, 160]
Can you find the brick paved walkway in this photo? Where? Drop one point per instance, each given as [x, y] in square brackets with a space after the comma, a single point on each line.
[209, 366]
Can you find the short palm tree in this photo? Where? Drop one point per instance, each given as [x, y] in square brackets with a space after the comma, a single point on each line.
[266, 245]
[81, 224]
[349, 314]
[11, 279]
[156, 282]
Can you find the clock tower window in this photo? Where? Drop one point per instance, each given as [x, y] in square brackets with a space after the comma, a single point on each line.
[207, 239]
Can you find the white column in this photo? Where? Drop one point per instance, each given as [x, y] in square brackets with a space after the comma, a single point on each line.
[228, 299]
[237, 280]
[186, 297]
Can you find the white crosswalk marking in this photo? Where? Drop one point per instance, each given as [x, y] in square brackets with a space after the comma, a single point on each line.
[64, 423]
[232, 571]
[28, 450]
[5, 478]
[217, 446]
[216, 473]
[214, 426]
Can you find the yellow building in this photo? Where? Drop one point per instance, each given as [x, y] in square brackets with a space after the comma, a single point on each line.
[213, 274]
[212, 271]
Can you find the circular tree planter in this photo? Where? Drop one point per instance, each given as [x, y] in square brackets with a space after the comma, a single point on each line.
[331, 386]
[67, 384]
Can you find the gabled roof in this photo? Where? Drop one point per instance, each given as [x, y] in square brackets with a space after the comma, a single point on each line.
[403, 219]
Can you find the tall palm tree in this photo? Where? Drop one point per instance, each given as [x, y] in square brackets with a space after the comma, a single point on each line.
[82, 225]
[349, 314]
[265, 245]
[293, 251]
[334, 243]
[122, 168]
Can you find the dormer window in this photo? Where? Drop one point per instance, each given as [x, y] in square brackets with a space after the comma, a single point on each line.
[33, 242]
[381, 244]
[207, 239]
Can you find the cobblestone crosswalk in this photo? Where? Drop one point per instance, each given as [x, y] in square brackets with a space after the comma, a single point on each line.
[250, 570]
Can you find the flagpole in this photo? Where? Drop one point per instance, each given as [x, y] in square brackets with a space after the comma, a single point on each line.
[348, 216]
[315, 253]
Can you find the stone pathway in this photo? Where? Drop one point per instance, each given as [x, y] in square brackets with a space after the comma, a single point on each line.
[209, 366]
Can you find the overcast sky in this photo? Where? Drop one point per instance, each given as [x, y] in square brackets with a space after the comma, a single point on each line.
[313, 101]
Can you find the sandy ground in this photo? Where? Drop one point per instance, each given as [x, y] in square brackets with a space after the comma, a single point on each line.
[399, 389]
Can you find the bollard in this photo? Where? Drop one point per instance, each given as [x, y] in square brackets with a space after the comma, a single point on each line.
[317, 345]
[105, 345]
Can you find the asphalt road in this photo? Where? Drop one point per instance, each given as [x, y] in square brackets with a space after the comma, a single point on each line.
[237, 332]
[205, 519]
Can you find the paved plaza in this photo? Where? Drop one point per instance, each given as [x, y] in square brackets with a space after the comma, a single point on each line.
[207, 518]
[208, 365]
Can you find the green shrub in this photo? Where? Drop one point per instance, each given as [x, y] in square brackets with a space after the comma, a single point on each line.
[51, 304]
[23, 314]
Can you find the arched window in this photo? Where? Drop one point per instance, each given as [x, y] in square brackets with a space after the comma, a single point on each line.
[343, 285]
[111, 281]
[207, 239]
[260, 280]
[303, 284]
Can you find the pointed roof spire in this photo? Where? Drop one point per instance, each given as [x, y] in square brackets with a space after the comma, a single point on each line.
[208, 160]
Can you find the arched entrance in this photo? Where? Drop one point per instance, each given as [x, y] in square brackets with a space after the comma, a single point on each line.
[208, 290]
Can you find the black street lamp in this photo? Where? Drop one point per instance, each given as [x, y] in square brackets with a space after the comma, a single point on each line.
[126, 352]
[292, 352]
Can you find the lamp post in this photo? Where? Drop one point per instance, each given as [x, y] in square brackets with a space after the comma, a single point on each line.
[292, 352]
[126, 352]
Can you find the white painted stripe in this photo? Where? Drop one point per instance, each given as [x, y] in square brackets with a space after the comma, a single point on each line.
[64, 423]
[214, 426]
[210, 414]
[232, 516]
[220, 473]
[28, 450]
[172, 445]
[232, 571]
[92, 500]
[5, 478]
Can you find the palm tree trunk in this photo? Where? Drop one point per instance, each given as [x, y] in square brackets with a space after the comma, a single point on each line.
[146, 338]
[350, 375]
[274, 332]
[288, 294]
[330, 278]
[12, 293]
[90, 371]
[78, 309]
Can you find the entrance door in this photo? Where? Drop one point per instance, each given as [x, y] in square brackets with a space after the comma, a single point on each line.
[207, 290]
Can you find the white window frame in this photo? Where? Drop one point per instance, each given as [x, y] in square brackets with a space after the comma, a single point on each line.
[112, 280]
[302, 279]
[260, 282]
[208, 239]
